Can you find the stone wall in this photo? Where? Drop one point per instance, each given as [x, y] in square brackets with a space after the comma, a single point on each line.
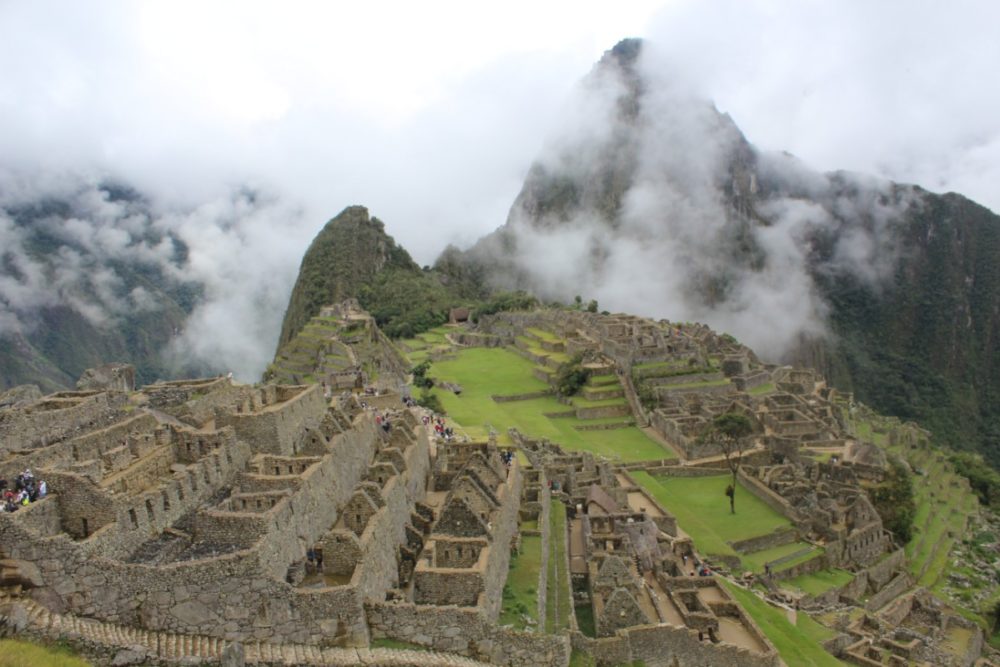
[239, 596]
[761, 542]
[814, 564]
[899, 585]
[326, 486]
[483, 584]
[769, 497]
[277, 427]
[467, 632]
[603, 411]
[386, 530]
[545, 499]
[669, 645]
[681, 471]
[522, 397]
[57, 417]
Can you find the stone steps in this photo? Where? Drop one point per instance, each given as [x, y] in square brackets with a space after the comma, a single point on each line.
[171, 647]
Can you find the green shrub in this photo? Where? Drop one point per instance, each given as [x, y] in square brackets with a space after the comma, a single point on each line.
[571, 376]
[894, 501]
[430, 401]
[983, 479]
[504, 301]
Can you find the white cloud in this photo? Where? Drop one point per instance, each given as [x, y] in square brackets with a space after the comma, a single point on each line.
[431, 113]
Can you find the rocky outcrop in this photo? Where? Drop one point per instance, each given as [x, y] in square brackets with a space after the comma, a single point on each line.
[20, 395]
[109, 377]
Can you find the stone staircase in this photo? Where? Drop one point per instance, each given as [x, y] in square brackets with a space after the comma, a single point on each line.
[192, 649]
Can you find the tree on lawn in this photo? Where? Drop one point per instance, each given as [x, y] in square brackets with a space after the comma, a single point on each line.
[732, 430]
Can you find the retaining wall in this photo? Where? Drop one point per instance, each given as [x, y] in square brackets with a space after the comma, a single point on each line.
[467, 632]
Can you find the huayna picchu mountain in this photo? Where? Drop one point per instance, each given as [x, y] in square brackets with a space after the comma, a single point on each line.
[353, 257]
[654, 202]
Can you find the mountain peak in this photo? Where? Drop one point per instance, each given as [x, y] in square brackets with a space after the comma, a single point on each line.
[347, 254]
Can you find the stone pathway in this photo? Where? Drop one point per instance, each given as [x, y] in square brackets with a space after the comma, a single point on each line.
[171, 647]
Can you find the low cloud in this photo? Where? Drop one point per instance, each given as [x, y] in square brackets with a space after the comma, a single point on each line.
[239, 251]
[661, 221]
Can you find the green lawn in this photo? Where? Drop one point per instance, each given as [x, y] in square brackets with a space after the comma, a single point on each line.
[557, 598]
[541, 334]
[697, 385]
[520, 595]
[797, 644]
[762, 389]
[17, 653]
[702, 510]
[483, 372]
[819, 582]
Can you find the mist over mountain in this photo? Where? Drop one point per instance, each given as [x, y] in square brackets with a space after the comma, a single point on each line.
[651, 201]
[93, 271]
[646, 198]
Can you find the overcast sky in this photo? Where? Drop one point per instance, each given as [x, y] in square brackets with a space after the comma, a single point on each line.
[430, 113]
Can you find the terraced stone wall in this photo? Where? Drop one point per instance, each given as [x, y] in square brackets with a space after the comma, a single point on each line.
[57, 417]
[277, 426]
[386, 530]
[467, 632]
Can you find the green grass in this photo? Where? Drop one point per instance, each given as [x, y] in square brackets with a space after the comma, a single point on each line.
[819, 582]
[17, 653]
[817, 632]
[697, 385]
[702, 510]
[541, 334]
[797, 644]
[762, 389]
[557, 599]
[520, 595]
[585, 619]
[483, 372]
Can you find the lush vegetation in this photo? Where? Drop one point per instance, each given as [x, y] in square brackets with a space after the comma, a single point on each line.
[571, 376]
[406, 302]
[346, 255]
[353, 257]
[983, 479]
[504, 301]
[894, 500]
[920, 344]
[420, 377]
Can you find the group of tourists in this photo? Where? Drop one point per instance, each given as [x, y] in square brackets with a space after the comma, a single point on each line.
[383, 422]
[26, 490]
[440, 429]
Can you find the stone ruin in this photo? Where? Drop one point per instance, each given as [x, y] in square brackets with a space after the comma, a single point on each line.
[262, 516]
[629, 562]
[205, 513]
